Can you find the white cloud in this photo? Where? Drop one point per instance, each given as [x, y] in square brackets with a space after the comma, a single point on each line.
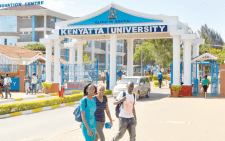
[50, 4]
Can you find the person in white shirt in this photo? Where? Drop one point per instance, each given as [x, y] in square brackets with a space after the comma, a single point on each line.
[7, 82]
[127, 115]
[34, 83]
[103, 75]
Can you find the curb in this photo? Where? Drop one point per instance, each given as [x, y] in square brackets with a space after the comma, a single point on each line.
[39, 96]
[38, 110]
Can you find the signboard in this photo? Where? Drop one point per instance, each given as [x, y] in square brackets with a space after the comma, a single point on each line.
[114, 30]
[20, 4]
[15, 85]
[115, 16]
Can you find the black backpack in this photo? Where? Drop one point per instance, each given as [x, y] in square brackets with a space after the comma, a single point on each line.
[118, 105]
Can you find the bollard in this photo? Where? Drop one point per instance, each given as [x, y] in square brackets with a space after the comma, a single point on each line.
[62, 94]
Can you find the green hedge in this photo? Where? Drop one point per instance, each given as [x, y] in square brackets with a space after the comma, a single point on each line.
[108, 92]
[16, 107]
[72, 98]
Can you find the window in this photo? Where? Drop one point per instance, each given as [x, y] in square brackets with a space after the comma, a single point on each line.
[5, 42]
[52, 19]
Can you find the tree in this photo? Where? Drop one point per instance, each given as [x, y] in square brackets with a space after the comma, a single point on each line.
[158, 51]
[220, 53]
[86, 58]
[35, 47]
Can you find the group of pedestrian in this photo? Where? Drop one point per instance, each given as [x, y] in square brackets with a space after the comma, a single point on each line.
[93, 108]
[5, 83]
[32, 84]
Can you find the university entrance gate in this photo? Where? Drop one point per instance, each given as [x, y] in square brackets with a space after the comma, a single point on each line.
[76, 76]
[113, 23]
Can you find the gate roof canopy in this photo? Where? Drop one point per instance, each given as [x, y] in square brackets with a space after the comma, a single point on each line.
[205, 56]
[116, 16]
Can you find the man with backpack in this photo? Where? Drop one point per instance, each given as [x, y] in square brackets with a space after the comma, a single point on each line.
[125, 111]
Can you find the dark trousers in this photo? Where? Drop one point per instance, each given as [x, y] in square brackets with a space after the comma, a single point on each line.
[126, 124]
[107, 85]
[160, 82]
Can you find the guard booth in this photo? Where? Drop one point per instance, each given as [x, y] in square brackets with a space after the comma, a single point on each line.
[200, 63]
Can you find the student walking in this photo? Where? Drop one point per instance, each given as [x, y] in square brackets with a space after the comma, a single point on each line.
[160, 76]
[107, 81]
[205, 85]
[127, 114]
[102, 105]
[103, 75]
[1, 85]
[7, 82]
[34, 83]
[88, 108]
[27, 82]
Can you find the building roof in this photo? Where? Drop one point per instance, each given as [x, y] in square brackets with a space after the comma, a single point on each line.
[205, 56]
[17, 52]
[24, 8]
[60, 59]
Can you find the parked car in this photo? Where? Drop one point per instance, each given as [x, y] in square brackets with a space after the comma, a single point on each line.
[142, 86]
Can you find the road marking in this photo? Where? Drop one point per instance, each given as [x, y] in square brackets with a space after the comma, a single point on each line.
[178, 122]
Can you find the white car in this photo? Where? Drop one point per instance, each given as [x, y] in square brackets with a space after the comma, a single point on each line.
[142, 86]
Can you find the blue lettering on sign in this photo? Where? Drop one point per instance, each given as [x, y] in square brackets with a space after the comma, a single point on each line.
[114, 30]
[20, 4]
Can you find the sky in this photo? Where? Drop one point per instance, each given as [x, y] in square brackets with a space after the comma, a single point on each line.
[193, 12]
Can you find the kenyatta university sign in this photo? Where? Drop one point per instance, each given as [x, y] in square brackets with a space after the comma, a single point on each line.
[114, 30]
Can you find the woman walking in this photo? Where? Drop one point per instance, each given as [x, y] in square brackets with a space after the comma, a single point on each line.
[102, 105]
[205, 85]
[88, 108]
[1, 85]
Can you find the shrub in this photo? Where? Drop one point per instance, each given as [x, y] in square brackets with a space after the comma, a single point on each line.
[176, 88]
[16, 107]
[46, 85]
[150, 77]
[72, 98]
[76, 91]
[108, 92]
[164, 77]
[155, 78]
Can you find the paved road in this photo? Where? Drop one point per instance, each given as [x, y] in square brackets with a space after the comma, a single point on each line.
[38, 126]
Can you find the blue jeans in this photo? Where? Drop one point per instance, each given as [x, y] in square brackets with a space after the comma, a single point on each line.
[160, 82]
[33, 88]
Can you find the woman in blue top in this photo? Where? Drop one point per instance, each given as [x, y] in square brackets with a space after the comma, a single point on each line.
[205, 85]
[102, 106]
[88, 123]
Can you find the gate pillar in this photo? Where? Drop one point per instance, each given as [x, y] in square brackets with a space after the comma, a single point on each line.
[130, 52]
[113, 48]
[176, 60]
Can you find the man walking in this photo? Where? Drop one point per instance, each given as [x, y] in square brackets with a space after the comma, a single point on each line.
[27, 82]
[7, 82]
[127, 115]
[103, 75]
[34, 83]
[160, 76]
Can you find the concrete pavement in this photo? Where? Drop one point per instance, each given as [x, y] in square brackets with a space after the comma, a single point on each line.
[178, 119]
